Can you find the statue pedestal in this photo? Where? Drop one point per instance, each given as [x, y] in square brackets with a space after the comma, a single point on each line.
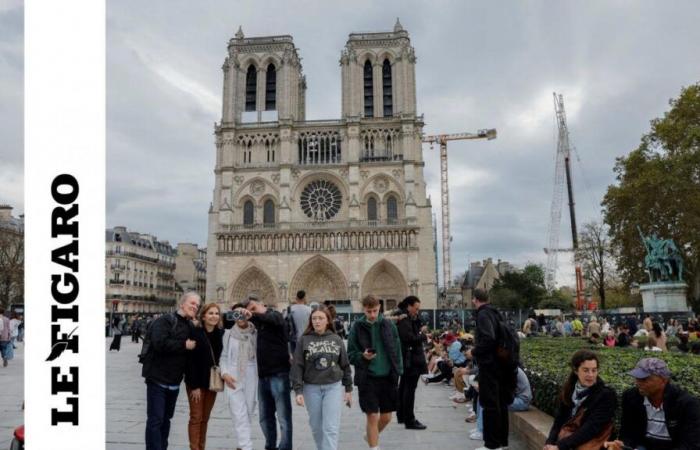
[664, 296]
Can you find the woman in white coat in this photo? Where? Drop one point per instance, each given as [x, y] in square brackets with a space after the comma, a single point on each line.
[239, 371]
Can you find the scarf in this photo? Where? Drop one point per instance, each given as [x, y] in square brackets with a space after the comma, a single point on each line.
[246, 347]
[578, 396]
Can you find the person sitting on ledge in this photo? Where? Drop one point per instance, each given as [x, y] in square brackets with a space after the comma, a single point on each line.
[586, 407]
[657, 414]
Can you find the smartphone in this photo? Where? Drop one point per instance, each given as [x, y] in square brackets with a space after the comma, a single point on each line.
[371, 350]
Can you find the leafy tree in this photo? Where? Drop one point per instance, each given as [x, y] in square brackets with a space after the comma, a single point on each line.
[658, 188]
[558, 299]
[505, 298]
[597, 258]
[527, 285]
[11, 267]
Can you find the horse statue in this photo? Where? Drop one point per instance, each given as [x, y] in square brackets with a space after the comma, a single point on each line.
[663, 260]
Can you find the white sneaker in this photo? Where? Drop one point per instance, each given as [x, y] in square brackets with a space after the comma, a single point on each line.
[476, 435]
[456, 395]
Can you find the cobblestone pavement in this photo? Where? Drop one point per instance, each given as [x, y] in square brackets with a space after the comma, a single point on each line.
[11, 396]
[126, 416]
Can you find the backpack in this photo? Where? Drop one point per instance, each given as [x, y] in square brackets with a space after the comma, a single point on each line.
[146, 350]
[508, 347]
[290, 325]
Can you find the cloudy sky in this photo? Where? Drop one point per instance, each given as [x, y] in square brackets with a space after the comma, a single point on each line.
[480, 65]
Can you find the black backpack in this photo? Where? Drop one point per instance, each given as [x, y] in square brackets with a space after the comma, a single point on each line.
[146, 350]
[290, 326]
[508, 347]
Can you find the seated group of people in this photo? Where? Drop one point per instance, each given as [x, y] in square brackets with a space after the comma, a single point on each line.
[450, 361]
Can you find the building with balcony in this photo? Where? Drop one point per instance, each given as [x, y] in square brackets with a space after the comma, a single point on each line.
[335, 207]
[139, 272]
[191, 268]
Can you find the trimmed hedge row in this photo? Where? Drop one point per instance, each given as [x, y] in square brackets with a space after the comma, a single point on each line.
[546, 362]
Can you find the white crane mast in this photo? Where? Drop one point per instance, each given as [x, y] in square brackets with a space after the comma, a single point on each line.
[442, 139]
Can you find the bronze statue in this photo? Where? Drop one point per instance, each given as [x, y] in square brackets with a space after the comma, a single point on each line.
[663, 261]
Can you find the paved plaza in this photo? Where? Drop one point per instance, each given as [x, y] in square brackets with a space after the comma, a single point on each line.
[126, 416]
[11, 396]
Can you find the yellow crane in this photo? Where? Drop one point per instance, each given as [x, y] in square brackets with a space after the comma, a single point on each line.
[442, 139]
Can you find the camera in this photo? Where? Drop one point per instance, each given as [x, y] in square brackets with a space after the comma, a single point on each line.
[234, 316]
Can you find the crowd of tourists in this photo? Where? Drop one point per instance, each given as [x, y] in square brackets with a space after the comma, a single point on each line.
[647, 333]
[11, 332]
[262, 361]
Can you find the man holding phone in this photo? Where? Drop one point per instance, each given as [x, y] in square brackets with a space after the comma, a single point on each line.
[374, 349]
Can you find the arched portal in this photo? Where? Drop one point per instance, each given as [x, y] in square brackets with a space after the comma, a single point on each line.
[386, 282]
[254, 281]
[321, 279]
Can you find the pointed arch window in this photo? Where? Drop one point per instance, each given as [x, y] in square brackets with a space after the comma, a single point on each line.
[251, 82]
[269, 213]
[371, 209]
[248, 213]
[392, 210]
[270, 88]
[386, 89]
[369, 91]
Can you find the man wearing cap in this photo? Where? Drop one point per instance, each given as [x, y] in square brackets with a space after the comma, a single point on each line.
[272, 354]
[657, 414]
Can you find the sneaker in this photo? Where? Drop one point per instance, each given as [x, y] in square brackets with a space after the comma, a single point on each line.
[476, 435]
[459, 400]
[471, 418]
[486, 448]
[456, 395]
[4, 363]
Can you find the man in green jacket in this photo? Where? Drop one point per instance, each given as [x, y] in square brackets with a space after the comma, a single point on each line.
[374, 349]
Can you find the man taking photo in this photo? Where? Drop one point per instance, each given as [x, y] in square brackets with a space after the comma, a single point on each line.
[164, 362]
[374, 349]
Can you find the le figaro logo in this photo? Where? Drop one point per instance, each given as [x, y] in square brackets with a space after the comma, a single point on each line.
[64, 293]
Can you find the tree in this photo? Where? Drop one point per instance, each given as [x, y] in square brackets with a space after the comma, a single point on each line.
[527, 286]
[11, 267]
[597, 258]
[558, 299]
[658, 188]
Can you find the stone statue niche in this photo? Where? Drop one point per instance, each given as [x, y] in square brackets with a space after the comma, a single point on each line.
[665, 291]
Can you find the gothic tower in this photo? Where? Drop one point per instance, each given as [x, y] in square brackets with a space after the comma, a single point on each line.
[335, 207]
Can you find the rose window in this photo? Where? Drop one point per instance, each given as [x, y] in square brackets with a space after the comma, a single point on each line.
[321, 200]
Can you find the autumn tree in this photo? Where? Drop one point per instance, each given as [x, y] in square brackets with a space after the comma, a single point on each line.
[597, 258]
[658, 189]
[11, 267]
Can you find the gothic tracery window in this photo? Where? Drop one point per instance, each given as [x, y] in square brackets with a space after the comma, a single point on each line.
[371, 209]
[392, 209]
[386, 89]
[369, 91]
[269, 213]
[251, 81]
[321, 200]
[248, 213]
[270, 88]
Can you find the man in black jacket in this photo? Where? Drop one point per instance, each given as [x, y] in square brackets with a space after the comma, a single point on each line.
[273, 371]
[497, 381]
[414, 363]
[657, 415]
[164, 366]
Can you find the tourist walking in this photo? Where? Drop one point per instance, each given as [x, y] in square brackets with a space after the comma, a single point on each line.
[14, 329]
[657, 414]
[6, 350]
[496, 353]
[321, 378]
[414, 362]
[116, 334]
[586, 407]
[205, 356]
[374, 349]
[273, 371]
[239, 370]
[164, 359]
[297, 319]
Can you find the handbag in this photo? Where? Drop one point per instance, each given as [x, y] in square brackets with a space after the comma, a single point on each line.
[572, 426]
[216, 383]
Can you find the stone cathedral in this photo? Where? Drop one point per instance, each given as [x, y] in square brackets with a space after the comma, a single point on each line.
[336, 207]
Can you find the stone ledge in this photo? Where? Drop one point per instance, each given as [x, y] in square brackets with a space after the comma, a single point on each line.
[531, 426]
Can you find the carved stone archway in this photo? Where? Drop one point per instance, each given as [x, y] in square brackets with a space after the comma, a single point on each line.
[254, 281]
[321, 279]
[387, 282]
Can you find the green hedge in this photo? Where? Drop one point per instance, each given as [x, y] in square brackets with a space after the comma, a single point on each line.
[546, 362]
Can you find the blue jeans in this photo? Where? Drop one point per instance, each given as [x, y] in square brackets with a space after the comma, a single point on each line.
[479, 417]
[324, 403]
[6, 350]
[274, 397]
[160, 407]
[519, 405]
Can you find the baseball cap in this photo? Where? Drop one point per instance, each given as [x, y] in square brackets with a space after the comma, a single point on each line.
[650, 366]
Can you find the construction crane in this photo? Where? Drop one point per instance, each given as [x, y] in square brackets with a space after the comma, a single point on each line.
[442, 139]
[562, 174]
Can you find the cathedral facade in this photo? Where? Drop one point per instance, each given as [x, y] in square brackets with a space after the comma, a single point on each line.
[335, 207]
